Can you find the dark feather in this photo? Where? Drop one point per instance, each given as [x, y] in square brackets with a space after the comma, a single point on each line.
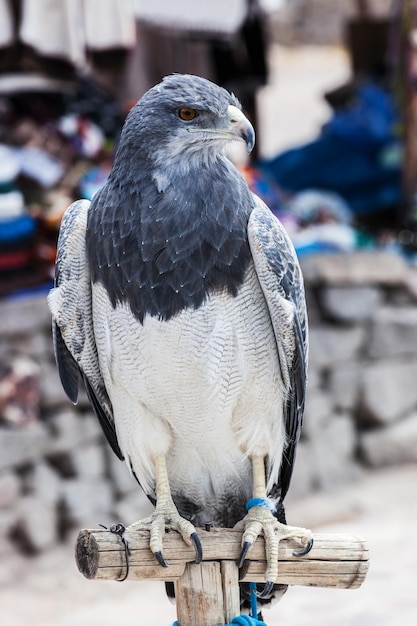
[70, 375]
[294, 411]
[68, 370]
[161, 260]
[102, 407]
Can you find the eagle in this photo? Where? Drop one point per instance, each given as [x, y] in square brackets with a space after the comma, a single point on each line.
[179, 303]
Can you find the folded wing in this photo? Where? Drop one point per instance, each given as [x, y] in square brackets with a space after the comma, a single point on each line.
[280, 277]
[72, 318]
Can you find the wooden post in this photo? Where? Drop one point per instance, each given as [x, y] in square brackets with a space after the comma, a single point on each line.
[208, 594]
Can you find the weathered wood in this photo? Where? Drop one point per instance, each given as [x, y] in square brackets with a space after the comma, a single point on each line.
[231, 596]
[336, 560]
[208, 593]
[199, 595]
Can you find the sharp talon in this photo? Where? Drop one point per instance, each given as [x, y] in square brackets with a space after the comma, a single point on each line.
[160, 559]
[305, 550]
[198, 547]
[244, 552]
[243, 569]
[266, 591]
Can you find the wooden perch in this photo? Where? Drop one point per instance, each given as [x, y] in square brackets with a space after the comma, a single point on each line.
[208, 594]
[339, 561]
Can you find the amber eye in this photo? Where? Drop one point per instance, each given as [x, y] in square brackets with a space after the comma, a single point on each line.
[187, 114]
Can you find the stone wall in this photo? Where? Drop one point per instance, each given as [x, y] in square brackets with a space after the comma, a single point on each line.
[57, 473]
[361, 408]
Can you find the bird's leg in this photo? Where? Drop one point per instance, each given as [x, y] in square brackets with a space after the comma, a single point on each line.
[259, 519]
[166, 516]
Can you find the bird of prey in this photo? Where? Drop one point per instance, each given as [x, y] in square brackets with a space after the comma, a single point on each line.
[179, 303]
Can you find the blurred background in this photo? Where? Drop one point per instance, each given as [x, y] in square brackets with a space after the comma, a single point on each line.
[331, 88]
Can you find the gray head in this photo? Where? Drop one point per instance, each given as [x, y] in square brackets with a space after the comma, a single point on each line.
[185, 119]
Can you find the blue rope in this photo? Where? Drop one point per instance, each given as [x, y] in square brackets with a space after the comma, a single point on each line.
[253, 600]
[240, 620]
[260, 502]
[246, 620]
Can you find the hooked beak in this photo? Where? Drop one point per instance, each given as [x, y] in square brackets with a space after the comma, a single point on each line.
[240, 127]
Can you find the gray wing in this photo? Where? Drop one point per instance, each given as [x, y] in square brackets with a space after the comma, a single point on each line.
[280, 277]
[72, 320]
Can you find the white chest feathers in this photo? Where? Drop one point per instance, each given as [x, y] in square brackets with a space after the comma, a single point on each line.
[204, 388]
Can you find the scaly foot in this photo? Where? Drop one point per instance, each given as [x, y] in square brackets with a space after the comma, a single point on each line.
[261, 519]
[167, 517]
